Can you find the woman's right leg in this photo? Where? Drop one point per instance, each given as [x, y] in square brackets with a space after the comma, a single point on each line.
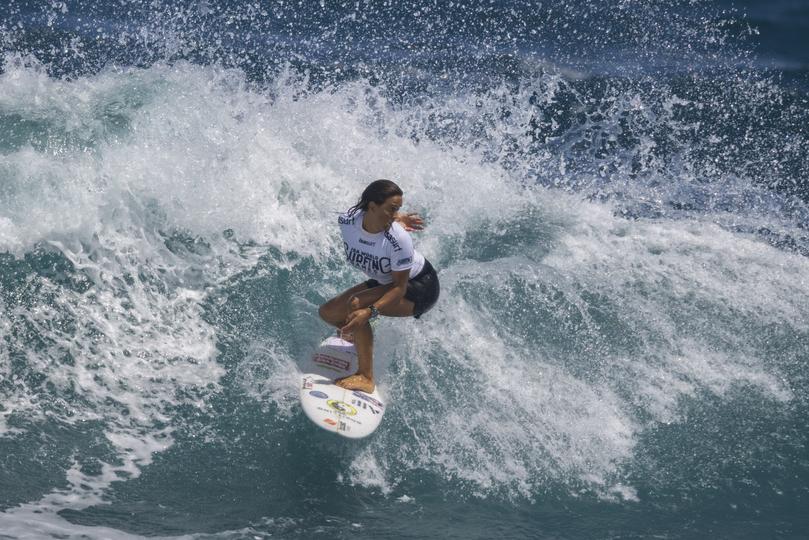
[335, 312]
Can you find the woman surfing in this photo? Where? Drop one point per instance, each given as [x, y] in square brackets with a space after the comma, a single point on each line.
[402, 282]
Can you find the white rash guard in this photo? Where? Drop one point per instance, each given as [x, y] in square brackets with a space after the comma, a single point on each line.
[377, 255]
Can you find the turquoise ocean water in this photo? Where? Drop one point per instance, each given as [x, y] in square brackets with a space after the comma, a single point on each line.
[616, 200]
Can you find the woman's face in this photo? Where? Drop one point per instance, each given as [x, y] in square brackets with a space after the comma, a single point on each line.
[385, 212]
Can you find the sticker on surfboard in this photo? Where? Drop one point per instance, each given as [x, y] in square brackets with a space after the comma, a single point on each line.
[349, 413]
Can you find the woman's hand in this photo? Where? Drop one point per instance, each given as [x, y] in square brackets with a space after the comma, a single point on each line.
[410, 221]
[355, 319]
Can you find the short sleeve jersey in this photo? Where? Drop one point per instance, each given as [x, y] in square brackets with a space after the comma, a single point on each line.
[379, 254]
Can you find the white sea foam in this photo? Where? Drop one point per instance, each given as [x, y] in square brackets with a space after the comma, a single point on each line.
[505, 412]
[132, 347]
[151, 155]
[512, 418]
[270, 376]
[365, 470]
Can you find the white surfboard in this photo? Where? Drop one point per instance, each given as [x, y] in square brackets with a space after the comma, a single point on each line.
[349, 413]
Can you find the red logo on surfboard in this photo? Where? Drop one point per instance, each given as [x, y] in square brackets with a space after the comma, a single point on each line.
[332, 362]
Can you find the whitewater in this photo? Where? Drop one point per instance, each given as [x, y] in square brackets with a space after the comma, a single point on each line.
[623, 328]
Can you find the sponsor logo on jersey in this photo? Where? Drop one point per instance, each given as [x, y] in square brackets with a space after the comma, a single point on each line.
[393, 241]
[345, 220]
[405, 260]
[366, 242]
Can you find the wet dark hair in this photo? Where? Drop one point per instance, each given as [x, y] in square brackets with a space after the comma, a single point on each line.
[377, 191]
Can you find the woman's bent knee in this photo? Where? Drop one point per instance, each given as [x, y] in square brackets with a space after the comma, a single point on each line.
[326, 312]
[333, 312]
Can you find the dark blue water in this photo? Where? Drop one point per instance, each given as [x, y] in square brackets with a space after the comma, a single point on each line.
[616, 199]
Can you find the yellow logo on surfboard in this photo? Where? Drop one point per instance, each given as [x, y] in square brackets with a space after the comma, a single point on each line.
[342, 407]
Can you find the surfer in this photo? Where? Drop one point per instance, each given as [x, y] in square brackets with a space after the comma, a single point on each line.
[402, 282]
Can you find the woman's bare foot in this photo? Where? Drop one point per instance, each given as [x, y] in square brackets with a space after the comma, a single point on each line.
[356, 382]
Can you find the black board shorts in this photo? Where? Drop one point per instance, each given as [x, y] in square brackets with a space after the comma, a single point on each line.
[422, 290]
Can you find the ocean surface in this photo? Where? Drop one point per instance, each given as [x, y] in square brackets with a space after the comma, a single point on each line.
[616, 196]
